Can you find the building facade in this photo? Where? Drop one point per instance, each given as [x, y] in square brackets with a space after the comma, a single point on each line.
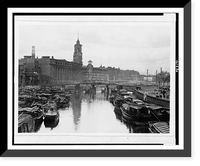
[60, 70]
[77, 57]
[47, 70]
[91, 74]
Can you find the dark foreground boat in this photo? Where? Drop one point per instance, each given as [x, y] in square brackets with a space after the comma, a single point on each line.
[51, 115]
[51, 124]
[137, 114]
[159, 127]
[160, 113]
[26, 123]
[151, 99]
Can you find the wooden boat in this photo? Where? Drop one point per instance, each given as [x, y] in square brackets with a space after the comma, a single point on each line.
[134, 122]
[118, 113]
[159, 127]
[51, 115]
[135, 113]
[111, 99]
[51, 124]
[152, 99]
[26, 123]
[160, 113]
[133, 101]
[118, 101]
[62, 102]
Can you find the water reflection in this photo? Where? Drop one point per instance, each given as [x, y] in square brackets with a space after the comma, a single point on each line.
[118, 114]
[89, 113]
[38, 124]
[132, 126]
[51, 124]
[76, 108]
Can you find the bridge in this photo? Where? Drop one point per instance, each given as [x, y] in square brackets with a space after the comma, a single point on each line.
[119, 84]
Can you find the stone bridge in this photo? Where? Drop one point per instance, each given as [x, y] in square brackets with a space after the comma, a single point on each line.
[109, 84]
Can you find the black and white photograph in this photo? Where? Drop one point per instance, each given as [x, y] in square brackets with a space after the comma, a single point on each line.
[96, 80]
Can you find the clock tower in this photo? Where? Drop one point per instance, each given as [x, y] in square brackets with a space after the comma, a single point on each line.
[77, 57]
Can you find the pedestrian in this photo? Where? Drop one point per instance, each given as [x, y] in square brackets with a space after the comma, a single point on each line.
[163, 92]
[157, 94]
[145, 95]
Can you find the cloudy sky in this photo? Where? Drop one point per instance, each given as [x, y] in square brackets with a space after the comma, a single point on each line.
[128, 45]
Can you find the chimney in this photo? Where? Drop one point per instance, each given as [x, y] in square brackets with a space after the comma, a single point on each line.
[33, 52]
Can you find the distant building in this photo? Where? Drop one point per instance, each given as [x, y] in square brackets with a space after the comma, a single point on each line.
[29, 69]
[94, 74]
[113, 73]
[33, 70]
[149, 78]
[77, 57]
[116, 74]
[60, 70]
[48, 70]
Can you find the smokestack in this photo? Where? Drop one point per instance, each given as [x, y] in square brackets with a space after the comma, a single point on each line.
[33, 52]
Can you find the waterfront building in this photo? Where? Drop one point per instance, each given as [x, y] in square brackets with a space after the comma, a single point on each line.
[117, 74]
[94, 74]
[148, 78]
[60, 70]
[48, 70]
[77, 57]
[29, 69]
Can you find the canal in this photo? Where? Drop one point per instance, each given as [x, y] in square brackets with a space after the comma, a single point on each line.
[90, 113]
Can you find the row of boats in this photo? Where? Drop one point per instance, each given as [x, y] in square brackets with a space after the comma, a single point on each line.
[137, 112]
[38, 105]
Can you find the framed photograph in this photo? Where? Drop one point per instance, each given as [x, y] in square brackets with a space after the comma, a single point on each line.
[99, 82]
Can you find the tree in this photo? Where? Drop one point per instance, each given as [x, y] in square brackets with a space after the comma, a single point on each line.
[163, 78]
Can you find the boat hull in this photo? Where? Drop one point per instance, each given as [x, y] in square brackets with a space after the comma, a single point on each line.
[159, 127]
[139, 118]
[50, 117]
[152, 99]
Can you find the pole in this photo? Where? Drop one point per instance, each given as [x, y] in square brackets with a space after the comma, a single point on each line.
[147, 75]
[156, 77]
[161, 72]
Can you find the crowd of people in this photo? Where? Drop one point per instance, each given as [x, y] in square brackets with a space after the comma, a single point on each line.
[163, 93]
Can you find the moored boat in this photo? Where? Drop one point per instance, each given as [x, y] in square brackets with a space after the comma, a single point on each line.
[152, 99]
[51, 114]
[160, 113]
[51, 124]
[159, 127]
[135, 113]
[118, 101]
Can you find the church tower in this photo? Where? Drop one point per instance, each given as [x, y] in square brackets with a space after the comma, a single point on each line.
[77, 52]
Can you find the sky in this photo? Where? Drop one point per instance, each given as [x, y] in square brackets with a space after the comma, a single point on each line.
[126, 45]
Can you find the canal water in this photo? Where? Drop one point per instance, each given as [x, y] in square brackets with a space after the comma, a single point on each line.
[90, 113]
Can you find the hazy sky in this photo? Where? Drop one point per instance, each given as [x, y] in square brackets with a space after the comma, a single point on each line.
[128, 45]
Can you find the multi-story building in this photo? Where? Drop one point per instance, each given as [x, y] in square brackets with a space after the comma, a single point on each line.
[29, 69]
[94, 74]
[116, 74]
[47, 69]
[60, 70]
